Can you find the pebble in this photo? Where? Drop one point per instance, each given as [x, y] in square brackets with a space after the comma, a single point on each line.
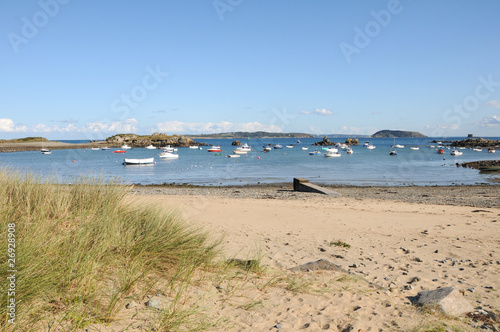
[131, 305]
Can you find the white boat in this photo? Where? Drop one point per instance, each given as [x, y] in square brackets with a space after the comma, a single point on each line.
[414, 148]
[144, 161]
[125, 147]
[233, 156]
[150, 147]
[399, 146]
[95, 149]
[237, 152]
[278, 146]
[214, 148]
[244, 148]
[315, 153]
[342, 146]
[267, 148]
[105, 148]
[477, 149]
[393, 153]
[45, 151]
[289, 146]
[491, 150]
[168, 148]
[349, 151]
[305, 148]
[365, 144]
[332, 150]
[194, 147]
[456, 153]
[169, 155]
[332, 154]
[371, 147]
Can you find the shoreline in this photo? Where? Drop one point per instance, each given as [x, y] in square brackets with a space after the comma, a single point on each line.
[480, 196]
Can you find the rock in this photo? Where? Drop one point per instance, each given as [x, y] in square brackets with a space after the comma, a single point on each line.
[236, 143]
[448, 299]
[321, 264]
[324, 142]
[352, 141]
[153, 303]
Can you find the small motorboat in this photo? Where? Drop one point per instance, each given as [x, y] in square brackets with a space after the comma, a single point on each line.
[393, 153]
[414, 148]
[119, 151]
[370, 147]
[365, 144]
[331, 150]
[477, 149]
[244, 148]
[349, 151]
[456, 153]
[105, 148]
[491, 151]
[125, 147]
[289, 146]
[144, 161]
[278, 146]
[315, 153]
[95, 149]
[194, 147]
[332, 154]
[440, 151]
[266, 148]
[238, 152]
[399, 146]
[169, 155]
[150, 147]
[45, 151]
[168, 148]
[305, 148]
[214, 148]
[233, 156]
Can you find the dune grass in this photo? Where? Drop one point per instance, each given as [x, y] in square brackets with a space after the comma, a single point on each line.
[81, 251]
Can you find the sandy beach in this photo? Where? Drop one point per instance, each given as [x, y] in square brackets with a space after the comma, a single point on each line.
[387, 250]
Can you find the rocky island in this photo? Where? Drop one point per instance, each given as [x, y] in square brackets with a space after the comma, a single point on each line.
[396, 134]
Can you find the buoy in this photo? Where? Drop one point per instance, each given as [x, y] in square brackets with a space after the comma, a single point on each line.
[258, 157]
[74, 161]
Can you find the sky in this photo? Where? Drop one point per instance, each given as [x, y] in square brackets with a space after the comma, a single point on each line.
[74, 69]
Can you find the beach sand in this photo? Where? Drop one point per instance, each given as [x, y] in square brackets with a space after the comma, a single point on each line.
[396, 250]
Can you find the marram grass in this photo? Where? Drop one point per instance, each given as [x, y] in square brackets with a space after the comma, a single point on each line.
[81, 250]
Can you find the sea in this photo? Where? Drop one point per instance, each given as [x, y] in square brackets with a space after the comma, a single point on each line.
[423, 167]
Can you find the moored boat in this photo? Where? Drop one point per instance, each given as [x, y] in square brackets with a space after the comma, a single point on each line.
[329, 154]
[414, 148]
[440, 151]
[349, 151]
[150, 147]
[491, 151]
[169, 155]
[371, 147]
[125, 147]
[456, 153]
[145, 161]
[393, 153]
[315, 153]
[45, 151]
[214, 148]
[278, 146]
[233, 156]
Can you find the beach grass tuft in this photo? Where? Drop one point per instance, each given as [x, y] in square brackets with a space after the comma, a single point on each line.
[81, 252]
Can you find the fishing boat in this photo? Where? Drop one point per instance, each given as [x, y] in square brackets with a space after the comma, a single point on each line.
[125, 147]
[332, 154]
[214, 148]
[144, 161]
[456, 153]
[150, 147]
[315, 153]
[169, 155]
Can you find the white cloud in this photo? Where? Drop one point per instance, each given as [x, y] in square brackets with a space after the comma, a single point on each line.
[304, 112]
[125, 126]
[178, 127]
[494, 103]
[8, 126]
[493, 121]
[356, 130]
[323, 111]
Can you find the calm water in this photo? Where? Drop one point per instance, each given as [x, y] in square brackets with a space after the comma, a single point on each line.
[363, 168]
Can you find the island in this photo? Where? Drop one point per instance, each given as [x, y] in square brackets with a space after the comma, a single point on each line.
[246, 134]
[386, 133]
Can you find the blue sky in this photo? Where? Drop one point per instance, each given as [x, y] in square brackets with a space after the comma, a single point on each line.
[73, 69]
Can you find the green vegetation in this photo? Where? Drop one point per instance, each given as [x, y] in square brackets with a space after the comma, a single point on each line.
[339, 244]
[25, 140]
[82, 252]
[256, 134]
[397, 133]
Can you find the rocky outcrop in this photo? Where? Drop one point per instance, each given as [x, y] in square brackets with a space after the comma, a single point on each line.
[397, 133]
[157, 139]
[476, 142]
[352, 141]
[236, 143]
[324, 142]
[481, 164]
